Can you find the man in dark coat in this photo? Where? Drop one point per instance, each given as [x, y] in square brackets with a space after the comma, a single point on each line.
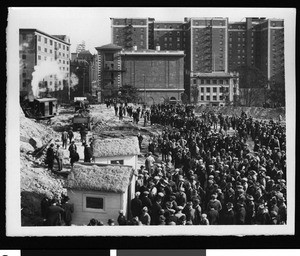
[50, 156]
[213, 216]
[136, 205]
[87, 153]
[146, 201]
[122, 219]
[155, 210]
[68, 210]
[54, 214]
[228, 217]
[189, 212]
[240, 213]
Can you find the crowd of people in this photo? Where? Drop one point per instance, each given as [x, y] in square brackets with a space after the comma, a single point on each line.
[209, 177]
[207, 169]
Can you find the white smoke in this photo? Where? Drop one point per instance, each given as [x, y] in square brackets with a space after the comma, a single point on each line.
[41, 71]
[73, 80]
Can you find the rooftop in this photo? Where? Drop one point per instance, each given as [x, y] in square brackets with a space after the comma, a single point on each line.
[115, 147]
[109, 178]
[109, 47]
[151, 52]
[56, 37]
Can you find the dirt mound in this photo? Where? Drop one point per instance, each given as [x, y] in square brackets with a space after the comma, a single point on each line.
[255, 112]
[36, 181]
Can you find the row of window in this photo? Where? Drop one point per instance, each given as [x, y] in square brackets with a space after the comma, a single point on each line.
[59, 45]
[211, 81]
[213, 98]
[51, 52]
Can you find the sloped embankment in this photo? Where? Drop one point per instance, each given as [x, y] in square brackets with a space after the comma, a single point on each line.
[36, 181]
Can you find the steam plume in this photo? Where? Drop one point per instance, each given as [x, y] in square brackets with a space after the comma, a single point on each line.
[44, 69]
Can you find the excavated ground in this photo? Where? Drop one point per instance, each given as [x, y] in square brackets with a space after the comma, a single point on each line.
[37, 182]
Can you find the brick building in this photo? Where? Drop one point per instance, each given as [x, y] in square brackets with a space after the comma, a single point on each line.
[129, 32]
[158, 75]
[258, 42]
[37, 47]
[211, 45]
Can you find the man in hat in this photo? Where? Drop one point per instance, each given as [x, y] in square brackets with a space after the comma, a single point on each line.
[122, 221]
[146, 201]
[228, 217]
[50, 156]
[204, 220]
[213, 216]
[145, 217]
[240, 213]
[70, 135]
[179, 213]
[189, 212]
[250, 210]
[59, 154]
[156, 208]
[64, 139]
[54, 214]
[215, 203]
[181, 198]
[68, 210]
[136, 205]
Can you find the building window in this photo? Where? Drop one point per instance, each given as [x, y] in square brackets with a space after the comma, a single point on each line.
[63, 47]
[194, 81]
[39, 38]
[214, 81]
[39, 57]
[208, 89]
[214, 89]
[117, 161]
[45, 40]
[24, 56]
[214, 97]
[208, 82]
[45, 58]
[92, 202]
[207, 97]
[51, 42]
[50, 51]
[166, 39]
[39, 48]
[230, 45]
[202, 97]
[45, 49]
[202, 81]
[109, 56]
[59, 46]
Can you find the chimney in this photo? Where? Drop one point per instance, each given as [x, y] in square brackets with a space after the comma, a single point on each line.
[135, 48]
[157, 48]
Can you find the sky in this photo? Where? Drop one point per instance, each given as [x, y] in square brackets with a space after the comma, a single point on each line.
[93, 24]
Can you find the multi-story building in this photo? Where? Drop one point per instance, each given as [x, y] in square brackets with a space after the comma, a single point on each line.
[129, 32]
[216, 88]
[259, 43]
[48, 58]
[211, 45]
[169, 35]
[158, 75]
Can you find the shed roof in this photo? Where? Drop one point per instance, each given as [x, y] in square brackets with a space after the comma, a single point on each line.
[115, 147]
[109, 178]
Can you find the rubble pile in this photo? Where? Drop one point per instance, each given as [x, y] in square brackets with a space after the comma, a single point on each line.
[256, 112]
[36, 180]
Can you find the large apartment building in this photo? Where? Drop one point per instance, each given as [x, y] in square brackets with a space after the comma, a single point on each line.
[37, 47]
[211, 45]
[258, 42]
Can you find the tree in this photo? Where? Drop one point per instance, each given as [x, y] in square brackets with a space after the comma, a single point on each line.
[253, 83]
[195, 93]
[128, 93]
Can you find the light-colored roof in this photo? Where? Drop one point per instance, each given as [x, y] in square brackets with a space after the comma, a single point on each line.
[109, 47]
[109, 178]
[115, 147]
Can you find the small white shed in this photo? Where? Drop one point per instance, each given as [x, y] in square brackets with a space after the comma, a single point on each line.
[116, 151]
[99, 191]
